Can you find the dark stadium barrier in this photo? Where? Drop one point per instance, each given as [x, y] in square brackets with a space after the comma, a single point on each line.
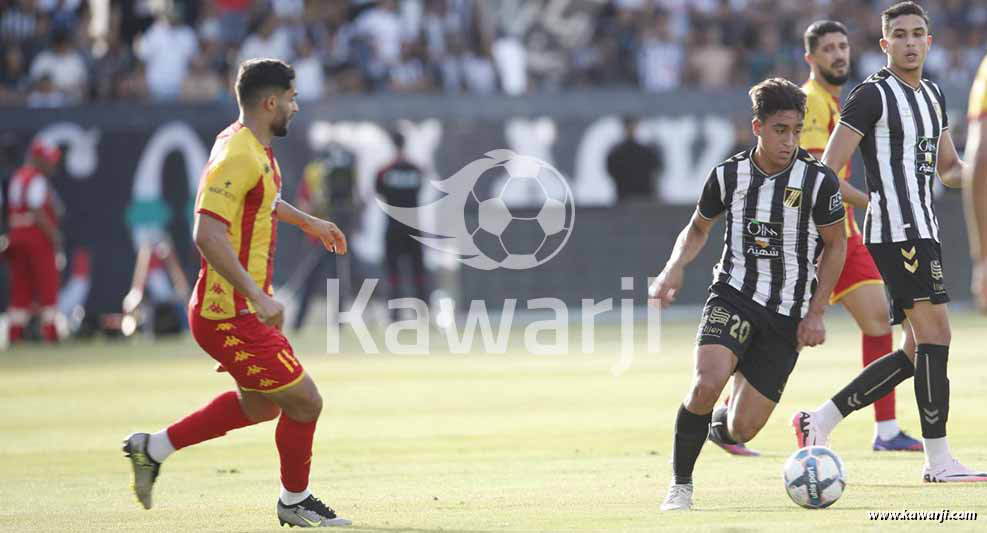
[130, 171]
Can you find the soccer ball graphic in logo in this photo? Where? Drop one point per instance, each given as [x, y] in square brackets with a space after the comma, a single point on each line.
[814, 477]
[504, 210]
[525, 236]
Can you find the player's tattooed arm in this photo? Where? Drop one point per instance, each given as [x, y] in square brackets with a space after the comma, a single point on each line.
[327, 232]
[689, 243]
[839, 150]
[950, 166]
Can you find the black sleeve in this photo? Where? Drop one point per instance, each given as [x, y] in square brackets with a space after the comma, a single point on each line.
[863, 108]
[828, 206]
[711, 200]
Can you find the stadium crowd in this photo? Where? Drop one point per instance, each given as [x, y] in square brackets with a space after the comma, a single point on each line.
[61, 52]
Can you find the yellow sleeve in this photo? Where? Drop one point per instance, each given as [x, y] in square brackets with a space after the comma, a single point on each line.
[815, 130]
[978, 94]
[227, 182]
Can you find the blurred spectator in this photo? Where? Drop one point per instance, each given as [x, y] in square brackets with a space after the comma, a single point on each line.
[270, 40]
[633, 166]
[659, 62]
[409, 74]
[710, 63]
[63, 66]
[201, 84]
[110, 68]
[166, 49]
[310, 76]
[510, 58]
[18, 20]
[44, 94]
[13, 76]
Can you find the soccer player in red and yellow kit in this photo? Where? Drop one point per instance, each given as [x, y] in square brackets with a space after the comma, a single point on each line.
[34, 243]
[232, 312]
[975, 185]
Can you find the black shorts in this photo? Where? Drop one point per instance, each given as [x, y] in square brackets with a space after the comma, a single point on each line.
[764, 342]
[912, 272]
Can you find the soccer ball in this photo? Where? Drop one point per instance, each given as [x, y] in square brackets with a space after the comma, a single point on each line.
[519, 237]
[814, 477]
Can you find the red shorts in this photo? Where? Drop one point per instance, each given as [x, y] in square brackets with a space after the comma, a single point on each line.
[858, 270]
[33, 273]
[258, 356]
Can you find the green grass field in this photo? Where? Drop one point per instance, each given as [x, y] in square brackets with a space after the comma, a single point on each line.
[454, 442]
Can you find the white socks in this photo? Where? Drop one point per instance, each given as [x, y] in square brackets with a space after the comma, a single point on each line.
[291, 498]
[159, 446]
[826, 417]
[936, 451]
[887, 429]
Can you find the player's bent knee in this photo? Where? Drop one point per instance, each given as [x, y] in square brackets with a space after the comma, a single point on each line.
[744, 430]
[705, 391]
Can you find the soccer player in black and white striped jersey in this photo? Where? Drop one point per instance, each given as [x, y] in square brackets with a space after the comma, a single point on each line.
[899, 121]
[783, 250]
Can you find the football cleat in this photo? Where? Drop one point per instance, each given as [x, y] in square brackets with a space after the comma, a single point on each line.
[679, 497]
[310, 512]
[146, 470]
[733, 449]
[901, 442]
[952, 472]
[806, 432]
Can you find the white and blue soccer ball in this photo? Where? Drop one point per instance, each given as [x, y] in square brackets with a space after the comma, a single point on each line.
[814, 477]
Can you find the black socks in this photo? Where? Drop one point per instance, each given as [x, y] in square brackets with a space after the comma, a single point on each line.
[932, 389]
[691, 431]
[874, 382]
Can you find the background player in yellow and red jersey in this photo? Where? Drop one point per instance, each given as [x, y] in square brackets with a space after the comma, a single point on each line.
[860, 288]
[232, 312]
[975, 185]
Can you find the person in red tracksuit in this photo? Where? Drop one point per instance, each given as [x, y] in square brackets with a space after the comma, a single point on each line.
[34, 243]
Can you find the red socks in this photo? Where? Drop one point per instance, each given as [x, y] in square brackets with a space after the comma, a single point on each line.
[214, 420]
[873, 349]
[294, 441]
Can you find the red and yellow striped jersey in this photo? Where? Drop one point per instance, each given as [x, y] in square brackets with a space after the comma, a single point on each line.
[822, 113]
[978, 94]
[240, 186]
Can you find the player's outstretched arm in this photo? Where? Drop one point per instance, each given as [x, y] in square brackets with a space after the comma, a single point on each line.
[214, 245]
[839, 150]
[975, 201]
[950, 166]
[689, 243]
[327, 232]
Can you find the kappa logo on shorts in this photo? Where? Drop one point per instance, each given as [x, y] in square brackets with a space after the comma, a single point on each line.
[254, 369]
[908, 255]
[936, 267]
[266, 382]
[231, 341]
[217, 289]
[242, 356]
[216, 308]
[225, 326]
[793, 197]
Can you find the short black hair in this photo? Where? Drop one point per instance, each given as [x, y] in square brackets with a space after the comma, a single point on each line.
[258, 75]
[817, 29]
[899, 9]
[776, 94]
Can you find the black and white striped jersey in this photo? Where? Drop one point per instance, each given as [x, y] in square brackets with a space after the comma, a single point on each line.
[772, 242]
[901, 128]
